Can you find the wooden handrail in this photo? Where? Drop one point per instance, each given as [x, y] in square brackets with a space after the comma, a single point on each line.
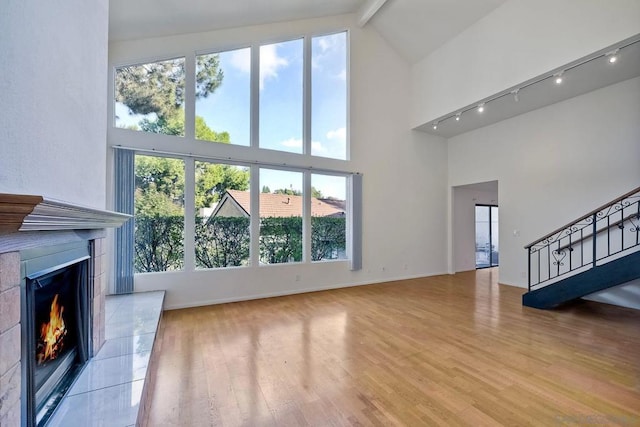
[593, 212]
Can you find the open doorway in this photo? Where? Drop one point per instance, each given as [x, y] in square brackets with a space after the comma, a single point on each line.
[487, 242]
[465, 247]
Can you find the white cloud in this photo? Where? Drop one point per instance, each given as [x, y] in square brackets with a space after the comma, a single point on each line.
[342, 75]
[270, 63]
[316, 146]
[339, 134]
[241, 59]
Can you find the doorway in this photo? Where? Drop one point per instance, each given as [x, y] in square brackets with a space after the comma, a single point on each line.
[487, 248]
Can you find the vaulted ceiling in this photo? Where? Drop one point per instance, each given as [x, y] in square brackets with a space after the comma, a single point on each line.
[414, 28]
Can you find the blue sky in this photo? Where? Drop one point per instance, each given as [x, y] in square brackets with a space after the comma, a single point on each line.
[281, 103]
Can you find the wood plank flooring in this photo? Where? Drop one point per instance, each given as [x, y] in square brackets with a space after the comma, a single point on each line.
[455, 350]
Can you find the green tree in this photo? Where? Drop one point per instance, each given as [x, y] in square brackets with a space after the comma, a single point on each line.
[291, 192]
[158, 87]
[288, 192]
[212, 180]
[266, 189]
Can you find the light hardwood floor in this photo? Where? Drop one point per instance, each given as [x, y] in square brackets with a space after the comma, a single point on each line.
[445, 350]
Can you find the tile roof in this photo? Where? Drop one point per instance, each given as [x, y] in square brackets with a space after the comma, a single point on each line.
[284, 205]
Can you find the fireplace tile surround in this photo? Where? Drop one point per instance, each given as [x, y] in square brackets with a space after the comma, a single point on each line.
[10, 323]
[124, 327]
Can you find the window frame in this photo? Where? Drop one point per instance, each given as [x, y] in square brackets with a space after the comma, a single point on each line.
[189, 149]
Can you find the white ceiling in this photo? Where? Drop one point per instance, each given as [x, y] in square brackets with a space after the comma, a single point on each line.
[413, 27]
[416, 28]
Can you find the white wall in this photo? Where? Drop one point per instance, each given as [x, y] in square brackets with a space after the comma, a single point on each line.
[626, 295]
[553, 165]
[53, 109]
[404, 186]
[465, 199]
[518, 41]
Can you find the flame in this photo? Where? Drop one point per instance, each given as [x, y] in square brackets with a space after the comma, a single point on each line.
[52, 333]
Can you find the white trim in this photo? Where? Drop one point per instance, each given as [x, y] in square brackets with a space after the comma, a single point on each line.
[367, 11]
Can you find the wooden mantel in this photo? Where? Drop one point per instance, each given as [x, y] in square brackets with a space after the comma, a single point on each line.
[19, 212]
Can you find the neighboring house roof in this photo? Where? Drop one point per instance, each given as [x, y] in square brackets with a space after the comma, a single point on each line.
[238, 203]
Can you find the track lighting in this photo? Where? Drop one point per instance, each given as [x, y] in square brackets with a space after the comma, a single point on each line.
[558, 77]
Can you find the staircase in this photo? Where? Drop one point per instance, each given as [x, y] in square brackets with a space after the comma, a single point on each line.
[597, 251]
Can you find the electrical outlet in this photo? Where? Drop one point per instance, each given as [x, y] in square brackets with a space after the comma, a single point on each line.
[297, 277]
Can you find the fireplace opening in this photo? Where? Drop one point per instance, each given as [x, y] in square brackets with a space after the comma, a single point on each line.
[56, 328]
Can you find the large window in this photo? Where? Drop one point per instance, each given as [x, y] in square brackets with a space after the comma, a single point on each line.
[268, 109]
[211, 206]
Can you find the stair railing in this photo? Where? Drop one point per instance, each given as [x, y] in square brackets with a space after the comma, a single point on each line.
[604, 234]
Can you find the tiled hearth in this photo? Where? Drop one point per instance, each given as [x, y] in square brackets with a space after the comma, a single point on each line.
[112, 388]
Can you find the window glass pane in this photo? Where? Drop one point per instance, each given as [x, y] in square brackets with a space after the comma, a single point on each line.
[281, 96]
[328, 217]
[150, 97]
[483, 249]
[329, 96]
[223, 97]
[159, 214]
[222, 215]
[495, 247]
[281, 204]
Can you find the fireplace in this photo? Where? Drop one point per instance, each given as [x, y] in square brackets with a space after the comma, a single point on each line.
[38, 237]
[56, 324]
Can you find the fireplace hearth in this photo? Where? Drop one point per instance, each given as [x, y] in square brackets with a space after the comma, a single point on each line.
[56, 325]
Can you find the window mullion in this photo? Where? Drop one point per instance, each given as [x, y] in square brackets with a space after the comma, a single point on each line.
[189, 213]
[190, 96]
[306, 217]
[255, 97]
[254, 214]
[306, 91]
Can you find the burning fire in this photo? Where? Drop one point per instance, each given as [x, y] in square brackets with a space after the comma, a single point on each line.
[52, 334]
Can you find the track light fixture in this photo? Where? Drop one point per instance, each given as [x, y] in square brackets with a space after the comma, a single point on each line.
[435, 126]
[558, 77]
[612, 56]
[515, 92]
[458, 116]
[481, 108]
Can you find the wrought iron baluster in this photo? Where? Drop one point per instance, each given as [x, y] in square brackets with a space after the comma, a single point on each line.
[549, 259]
[594, 239]
[608, 235]
[539, 278]
[529, 269]
[570, 252]
[581, 247]
[621, 227]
